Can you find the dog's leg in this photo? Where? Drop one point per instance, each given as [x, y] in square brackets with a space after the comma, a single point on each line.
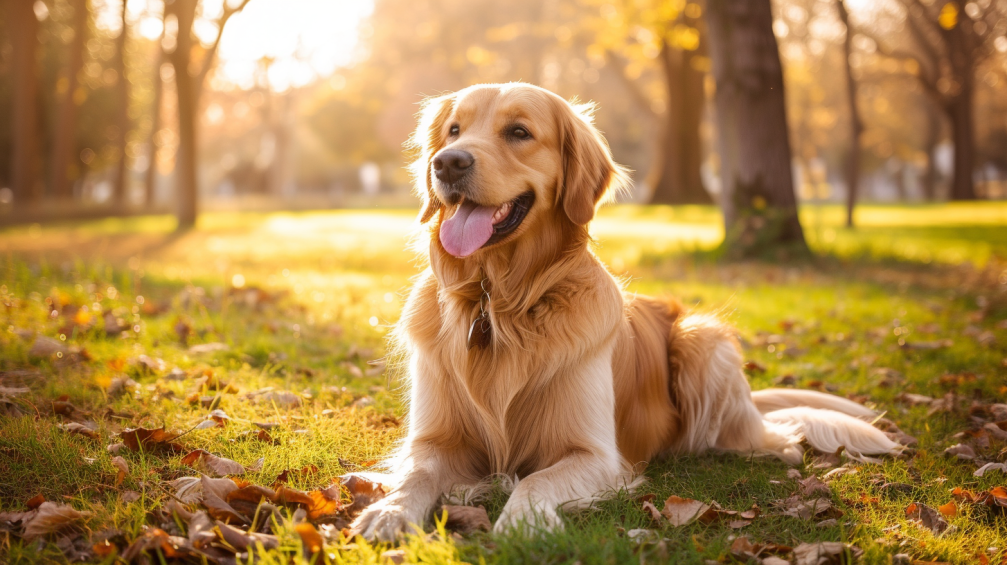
[428, 474]
[588, 461]
[428, 464]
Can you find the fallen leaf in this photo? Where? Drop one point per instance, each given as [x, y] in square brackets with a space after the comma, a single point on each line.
[961, 451]
[805, 509]
[156, 539]
[152, 364]
[81, 429]
[826, 553]
[220, 417]
[927, 517]
[120, 386]
[950, 509]
[123, 467]
[200, 531]
[214, 493]
[130, 496]
[681, 511]
[34, 502]
[813, 485]
[652, 511]
[211, 464]
[313, 542]
[243, 541]
[260, 435]
[324, 502]
[914, 399]
[51, 517]
[363, 491]
[150, 440]
[466, 519]
[1002, 467]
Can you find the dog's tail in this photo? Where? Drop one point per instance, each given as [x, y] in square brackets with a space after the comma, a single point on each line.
[827, 422]
[772, 399]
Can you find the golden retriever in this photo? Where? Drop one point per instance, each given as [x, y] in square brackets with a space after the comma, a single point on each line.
[526, 358]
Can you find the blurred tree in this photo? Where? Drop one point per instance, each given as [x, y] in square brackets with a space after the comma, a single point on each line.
[190, 76]
[64, 142]
[23, 29]
[120, 177]
[757, 188]
[947, 44]
[668, 34]
[856, 123]
[150, 175]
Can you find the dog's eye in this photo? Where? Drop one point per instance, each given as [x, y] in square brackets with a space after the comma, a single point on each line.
[454, 130]
[519, 132]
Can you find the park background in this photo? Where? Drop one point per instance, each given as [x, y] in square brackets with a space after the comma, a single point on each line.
[205, 228]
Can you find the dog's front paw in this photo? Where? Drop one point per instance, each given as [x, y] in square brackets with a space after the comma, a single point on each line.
[523, 516]
[386, 520]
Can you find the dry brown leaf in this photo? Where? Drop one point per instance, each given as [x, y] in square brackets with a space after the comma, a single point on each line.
[301, 473]
[150, 440]
[805, 509]
[243, 541]
[652, 511]
[961, 451]
[914, 399]
[123, 467]
[51, 517]
[201, 532]
[220, 417]
[215, 492]
[44, 346]
[35, 501]
[826, 553]
[156, 539]
[324, 502]
[927, 517]
[1002, 467]
[466, 519]
[81, 429]
[813, 485]
[363, 491]
[681, 511]
[211, 464]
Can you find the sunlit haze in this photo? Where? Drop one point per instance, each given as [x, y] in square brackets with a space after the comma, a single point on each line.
[304, 39]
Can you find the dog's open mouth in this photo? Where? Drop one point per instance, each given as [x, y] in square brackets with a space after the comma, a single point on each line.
[474, 226]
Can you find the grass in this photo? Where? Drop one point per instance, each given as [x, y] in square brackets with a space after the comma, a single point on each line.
[334, 283]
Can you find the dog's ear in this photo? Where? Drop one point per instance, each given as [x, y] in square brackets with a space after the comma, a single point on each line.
[588, 169]
[428, 140]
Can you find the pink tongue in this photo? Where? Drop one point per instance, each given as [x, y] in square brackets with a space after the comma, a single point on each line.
[468, 230]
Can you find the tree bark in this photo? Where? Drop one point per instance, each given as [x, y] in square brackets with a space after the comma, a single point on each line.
[120, 179]
[24, 105]
[65, 134]
[856, 123]
[150, 175]
[185, 160]
[675, 177]
[933, 137]
[960, 110]
[757, 195]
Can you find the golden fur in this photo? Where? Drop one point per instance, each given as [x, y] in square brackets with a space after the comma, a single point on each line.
[581, 381]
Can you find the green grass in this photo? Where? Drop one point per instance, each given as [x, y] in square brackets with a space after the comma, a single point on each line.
[336, 283]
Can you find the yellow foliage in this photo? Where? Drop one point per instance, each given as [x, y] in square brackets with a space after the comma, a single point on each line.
[949, 16]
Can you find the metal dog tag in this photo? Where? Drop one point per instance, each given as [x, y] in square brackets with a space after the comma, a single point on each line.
[480, 332]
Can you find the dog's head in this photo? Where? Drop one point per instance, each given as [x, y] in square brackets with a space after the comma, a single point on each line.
[497, 160]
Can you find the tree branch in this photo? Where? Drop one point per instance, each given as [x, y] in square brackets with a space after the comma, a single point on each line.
[211, 53]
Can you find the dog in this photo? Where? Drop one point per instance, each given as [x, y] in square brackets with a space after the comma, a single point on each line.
[524, 355]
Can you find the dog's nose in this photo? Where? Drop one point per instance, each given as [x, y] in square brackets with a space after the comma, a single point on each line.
[452, 164]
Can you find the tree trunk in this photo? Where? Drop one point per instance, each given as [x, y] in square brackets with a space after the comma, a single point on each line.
[24, 105]
[933, 137]
[65, 134]
[757, 197]
[188, 103]
[675, 177]
[122, 122]
[150, 175]
[856, 124]
[960, 110]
